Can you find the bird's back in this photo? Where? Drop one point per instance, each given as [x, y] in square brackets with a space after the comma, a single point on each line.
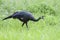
[25, 15]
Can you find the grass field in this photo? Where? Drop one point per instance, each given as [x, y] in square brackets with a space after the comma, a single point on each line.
[47, 29]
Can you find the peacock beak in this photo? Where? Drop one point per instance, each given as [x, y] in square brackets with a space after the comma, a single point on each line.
[42, 17]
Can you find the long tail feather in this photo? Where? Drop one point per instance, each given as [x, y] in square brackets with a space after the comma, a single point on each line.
[7, 17]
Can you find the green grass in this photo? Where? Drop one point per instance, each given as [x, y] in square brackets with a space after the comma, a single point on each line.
[47, 29]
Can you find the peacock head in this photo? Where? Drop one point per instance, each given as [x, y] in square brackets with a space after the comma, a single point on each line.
[42, 17]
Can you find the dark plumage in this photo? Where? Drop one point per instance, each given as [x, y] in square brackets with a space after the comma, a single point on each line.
[23, 16]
